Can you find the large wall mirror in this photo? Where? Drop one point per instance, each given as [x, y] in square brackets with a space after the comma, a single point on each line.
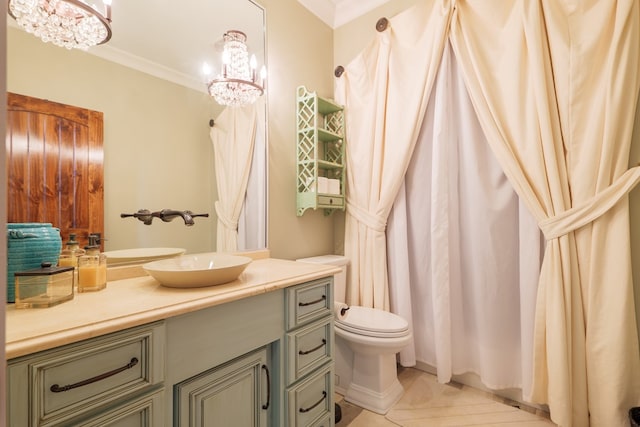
[149, 84]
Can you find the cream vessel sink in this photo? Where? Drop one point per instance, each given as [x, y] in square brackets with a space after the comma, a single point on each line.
[198, 270]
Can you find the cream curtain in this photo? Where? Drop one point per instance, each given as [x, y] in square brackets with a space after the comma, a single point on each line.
[554, 84]
[384, 117]
[233, 139]
[252, 224]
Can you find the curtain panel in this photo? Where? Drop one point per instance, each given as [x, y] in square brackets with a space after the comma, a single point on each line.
[252, 231]
[233, 138]
[386, 90]
[554, 84]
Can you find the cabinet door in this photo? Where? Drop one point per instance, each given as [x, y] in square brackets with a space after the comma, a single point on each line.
[233, 394]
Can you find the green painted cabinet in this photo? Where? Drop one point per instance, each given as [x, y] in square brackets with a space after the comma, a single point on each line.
[226, 360]
[265, 360]
[309, 353]
[320, 153]
[146, 411]
[234, 394]
[101, 381]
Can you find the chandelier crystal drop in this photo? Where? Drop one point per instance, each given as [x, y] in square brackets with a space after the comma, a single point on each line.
[238, 82]
[66, 23]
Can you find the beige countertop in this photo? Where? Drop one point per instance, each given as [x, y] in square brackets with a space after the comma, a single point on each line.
[138, 300]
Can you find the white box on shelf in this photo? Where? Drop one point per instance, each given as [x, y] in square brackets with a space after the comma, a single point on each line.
[323, 185]
[334, 186]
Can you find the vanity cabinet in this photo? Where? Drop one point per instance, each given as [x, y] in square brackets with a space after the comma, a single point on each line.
[117, 377]
[223, 362]
[320, 153]
[309, 343]
[263, 359]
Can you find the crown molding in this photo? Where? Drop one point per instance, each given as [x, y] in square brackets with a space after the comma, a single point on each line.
[336, 13]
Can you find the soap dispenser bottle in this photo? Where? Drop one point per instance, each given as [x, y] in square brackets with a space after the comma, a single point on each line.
[92, 268]
[70, 254]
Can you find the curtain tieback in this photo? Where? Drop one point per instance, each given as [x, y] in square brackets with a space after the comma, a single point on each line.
[583, 214]
[370, 220]
[224, 219]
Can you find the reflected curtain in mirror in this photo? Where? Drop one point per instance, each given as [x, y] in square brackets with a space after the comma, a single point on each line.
[54, 165]
[233, 138]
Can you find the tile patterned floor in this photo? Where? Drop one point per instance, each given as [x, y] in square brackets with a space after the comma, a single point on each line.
[428, 403]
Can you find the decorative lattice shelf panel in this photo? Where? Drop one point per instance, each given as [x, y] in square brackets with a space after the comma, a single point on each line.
[320, 147]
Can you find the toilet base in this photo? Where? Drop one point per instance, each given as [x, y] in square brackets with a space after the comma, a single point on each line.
[375, 384]
[378, 402]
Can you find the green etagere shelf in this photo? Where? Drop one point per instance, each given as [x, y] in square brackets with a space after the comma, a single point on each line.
[320, 147]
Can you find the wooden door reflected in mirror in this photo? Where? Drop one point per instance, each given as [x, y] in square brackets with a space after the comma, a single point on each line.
[54, 166]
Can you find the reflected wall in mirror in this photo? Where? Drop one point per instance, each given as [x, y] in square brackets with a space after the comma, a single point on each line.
[157, 149]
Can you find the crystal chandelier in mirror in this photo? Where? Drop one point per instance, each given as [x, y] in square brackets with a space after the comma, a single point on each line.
[65, 23]
[238, 83]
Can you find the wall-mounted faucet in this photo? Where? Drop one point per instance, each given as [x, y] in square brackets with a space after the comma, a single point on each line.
[166, 215]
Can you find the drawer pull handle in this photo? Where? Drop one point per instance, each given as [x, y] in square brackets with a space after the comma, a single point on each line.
[57, 389]
[302, 352]
[266, 405]
[324, 396]
[304, 304]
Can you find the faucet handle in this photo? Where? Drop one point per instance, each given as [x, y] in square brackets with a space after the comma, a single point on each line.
[205, 215]
[143, 215]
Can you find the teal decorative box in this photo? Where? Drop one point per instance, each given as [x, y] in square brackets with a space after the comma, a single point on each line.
[30, 244]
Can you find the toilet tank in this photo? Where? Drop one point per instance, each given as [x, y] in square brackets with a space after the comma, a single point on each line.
[340, 279]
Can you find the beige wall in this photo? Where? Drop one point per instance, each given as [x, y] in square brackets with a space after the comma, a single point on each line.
[299, 52]
[352, 37]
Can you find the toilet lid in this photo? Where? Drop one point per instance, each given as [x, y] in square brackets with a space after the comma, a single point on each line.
[373, 322]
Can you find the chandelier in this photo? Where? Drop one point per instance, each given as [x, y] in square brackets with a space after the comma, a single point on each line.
[238, 82]
[65, 23]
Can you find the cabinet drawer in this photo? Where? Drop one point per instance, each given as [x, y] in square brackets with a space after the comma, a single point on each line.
[72, 380]
[145, 411]
[327, 421]
[330, 201]
[311, 400]
[308, 302]
[309, 348]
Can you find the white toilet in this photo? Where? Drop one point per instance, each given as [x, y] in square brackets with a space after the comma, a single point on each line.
[368, 375]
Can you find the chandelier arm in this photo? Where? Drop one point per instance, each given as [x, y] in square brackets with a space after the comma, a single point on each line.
[244, 82]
